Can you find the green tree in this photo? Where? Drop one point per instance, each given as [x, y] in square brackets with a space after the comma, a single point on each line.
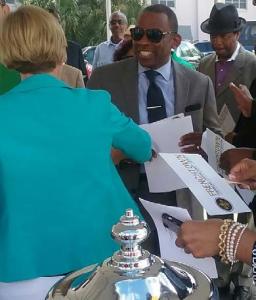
[85, 20]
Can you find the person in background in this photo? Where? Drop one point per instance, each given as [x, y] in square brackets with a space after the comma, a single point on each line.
[229, 63]
[8, 78]
[75, 56]
[244, 100]
[104, 52]
[60, 192]
[72, 76]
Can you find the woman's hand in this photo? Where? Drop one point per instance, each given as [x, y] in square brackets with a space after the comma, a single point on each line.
[200, 238]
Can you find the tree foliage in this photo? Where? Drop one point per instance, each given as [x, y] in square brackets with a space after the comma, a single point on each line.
[85, 20]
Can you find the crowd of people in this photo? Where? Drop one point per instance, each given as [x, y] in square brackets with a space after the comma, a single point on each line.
[70, 156]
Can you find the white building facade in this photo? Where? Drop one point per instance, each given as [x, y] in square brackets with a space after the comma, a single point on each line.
[13, 4]
[191, 13]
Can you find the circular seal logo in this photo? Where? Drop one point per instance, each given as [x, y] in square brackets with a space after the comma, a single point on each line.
[224, 204]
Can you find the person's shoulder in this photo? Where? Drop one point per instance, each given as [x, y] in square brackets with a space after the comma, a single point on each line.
[118, 66]
[70, 70]
[192, 75]
[90, 94]
[247, 54]
[102, 44]
[211, 58]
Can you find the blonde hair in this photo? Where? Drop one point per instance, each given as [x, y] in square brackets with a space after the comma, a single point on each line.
[32, 41]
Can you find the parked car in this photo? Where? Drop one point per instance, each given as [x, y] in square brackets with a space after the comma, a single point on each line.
[189, 52]
[248, 35]
[88, 53]
[205, 47]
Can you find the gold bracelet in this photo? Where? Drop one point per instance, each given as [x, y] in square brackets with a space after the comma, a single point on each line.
[223, 240]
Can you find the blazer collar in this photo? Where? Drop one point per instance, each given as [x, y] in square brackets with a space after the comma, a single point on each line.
[38, 81]
[237, 70]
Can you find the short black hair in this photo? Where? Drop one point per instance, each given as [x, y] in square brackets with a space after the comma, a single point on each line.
[163, 9]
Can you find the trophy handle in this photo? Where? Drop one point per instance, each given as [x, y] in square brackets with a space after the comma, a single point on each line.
[63, 287]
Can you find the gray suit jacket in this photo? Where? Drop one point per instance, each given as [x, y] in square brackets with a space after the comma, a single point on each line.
[243, 72]
[194, 95]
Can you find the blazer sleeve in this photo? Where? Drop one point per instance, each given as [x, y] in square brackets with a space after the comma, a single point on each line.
[128, 137]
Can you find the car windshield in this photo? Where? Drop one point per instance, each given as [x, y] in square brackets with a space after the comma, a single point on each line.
[204, 46]
[89, 54]
[188, 50]
[248, 35]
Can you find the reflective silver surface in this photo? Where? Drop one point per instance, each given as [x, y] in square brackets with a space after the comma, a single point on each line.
[133, 273]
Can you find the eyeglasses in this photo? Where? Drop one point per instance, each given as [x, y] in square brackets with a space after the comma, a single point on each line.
[154, 35]
[114, 22]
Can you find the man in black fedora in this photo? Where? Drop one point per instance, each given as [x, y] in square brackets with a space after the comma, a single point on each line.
[230, 63]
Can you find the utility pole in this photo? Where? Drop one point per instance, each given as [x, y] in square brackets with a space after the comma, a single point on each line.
[108, 14]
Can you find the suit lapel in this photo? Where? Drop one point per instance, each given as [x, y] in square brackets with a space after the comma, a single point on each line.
[235, 72]
[211, 68]
[181, 88]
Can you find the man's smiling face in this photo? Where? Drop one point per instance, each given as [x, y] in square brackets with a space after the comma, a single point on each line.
[149, 54]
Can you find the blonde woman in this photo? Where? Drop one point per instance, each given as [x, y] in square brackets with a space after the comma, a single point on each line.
[59, 190]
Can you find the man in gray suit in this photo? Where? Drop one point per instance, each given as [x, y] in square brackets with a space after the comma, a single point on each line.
[230, 63]
[184, 91]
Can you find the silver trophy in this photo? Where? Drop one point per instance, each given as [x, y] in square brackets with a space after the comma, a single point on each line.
[132, 273]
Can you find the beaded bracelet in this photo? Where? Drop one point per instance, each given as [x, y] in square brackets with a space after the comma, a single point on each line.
[233, 247]
[238, 242]
[254, 262]
[232, 232]
[223, 237]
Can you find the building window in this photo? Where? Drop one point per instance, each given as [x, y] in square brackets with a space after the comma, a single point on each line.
[170, 3]
[238, 3]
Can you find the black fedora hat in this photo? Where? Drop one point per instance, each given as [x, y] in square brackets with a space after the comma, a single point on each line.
[223, 19]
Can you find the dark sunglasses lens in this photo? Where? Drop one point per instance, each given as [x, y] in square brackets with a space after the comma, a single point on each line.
[137, 33]
[154, 35]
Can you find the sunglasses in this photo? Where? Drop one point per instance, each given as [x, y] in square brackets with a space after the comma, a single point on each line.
[114, 22]
[154, 35]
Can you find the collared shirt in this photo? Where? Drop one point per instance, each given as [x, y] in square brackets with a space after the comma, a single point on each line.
[164, 81]
[104, 53]
[222, 69]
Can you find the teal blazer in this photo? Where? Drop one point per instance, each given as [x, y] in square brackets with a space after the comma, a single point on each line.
[60, 193]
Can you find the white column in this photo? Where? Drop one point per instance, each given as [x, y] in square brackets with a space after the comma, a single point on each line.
[108, 14]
